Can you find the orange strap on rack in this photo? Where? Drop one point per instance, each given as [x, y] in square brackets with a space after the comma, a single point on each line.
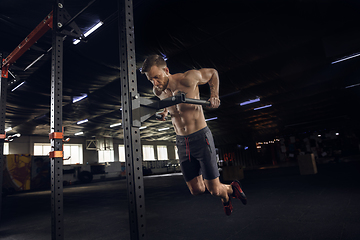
[3, 136]
[56, 135]
[56, 154]
[5, 70]
[35, 35]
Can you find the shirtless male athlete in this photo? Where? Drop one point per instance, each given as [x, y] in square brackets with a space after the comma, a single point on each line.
[194, 140]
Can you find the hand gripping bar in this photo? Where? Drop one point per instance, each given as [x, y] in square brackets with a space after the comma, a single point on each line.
[180, 98]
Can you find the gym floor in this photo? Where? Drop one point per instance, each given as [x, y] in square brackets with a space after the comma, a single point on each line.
[282, 204]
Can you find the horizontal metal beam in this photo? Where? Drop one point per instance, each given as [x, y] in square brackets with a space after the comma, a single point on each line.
[35, 35]
[76, 16]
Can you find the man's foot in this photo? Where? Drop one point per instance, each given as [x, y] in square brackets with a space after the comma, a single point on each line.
[228, 207]
[238, 192]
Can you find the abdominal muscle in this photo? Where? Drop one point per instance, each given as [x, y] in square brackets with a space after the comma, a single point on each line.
[187, 118]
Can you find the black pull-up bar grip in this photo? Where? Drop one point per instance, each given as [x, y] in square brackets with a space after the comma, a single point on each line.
[180, 98]
[197, 101]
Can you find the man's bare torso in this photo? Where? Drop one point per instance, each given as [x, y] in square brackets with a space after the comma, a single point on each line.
[186, 118]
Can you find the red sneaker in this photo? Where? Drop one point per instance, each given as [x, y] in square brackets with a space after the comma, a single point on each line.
[228, 208]
[238, 192]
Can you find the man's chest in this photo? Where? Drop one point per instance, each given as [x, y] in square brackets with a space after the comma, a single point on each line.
[190, 92]
[182, 107]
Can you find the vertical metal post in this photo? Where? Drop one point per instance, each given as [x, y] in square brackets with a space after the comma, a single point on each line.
[57, 218]
[3, 88]
[130, 100]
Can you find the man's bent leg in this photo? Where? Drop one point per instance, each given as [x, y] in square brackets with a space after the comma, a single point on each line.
[196, 185]
[216, 188]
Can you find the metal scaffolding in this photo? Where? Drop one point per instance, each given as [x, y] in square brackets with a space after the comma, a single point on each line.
[56, 154]
[130, 101]
[3, 88]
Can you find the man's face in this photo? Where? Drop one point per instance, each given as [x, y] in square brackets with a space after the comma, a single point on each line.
[159, 77]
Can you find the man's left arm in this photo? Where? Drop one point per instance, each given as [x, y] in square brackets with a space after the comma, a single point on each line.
[211, 76]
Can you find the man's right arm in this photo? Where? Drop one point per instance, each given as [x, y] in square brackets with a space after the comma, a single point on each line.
[161, 115]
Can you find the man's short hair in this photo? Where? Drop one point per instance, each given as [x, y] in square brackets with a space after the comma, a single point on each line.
[153, 60]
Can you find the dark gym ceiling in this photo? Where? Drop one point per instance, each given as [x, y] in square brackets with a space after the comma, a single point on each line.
[278, 51]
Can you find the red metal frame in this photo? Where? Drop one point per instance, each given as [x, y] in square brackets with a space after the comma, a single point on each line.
[35, 35]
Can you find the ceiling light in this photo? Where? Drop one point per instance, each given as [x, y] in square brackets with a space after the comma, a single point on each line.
[79, 133]
[11, 74]
[18, 86]
[250, 101]
[163, 129]
[266, 106]
[354, 85]
[79, 98]
[164, 57]
[214, 118]
[89, 32]
[115, 125]
[143, 127]
[346, 58]
[10, 138]
[29, 66]
[15, 135]
[82, 121]
[36, 60]
[337, 134]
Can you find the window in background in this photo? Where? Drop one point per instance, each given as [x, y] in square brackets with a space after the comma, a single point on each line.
[105, 149]
[74, 151]
[121, 153]
[106, 156]
[162, 152]
[148, 153]
[42, 149]
[176, 152]
[6, 148]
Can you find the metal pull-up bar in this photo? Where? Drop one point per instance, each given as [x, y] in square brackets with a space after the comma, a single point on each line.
[180, 98]
[149, 107]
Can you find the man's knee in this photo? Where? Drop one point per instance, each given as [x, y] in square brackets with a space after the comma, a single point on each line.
[197, 190]
[196, 185]
[215, 191]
